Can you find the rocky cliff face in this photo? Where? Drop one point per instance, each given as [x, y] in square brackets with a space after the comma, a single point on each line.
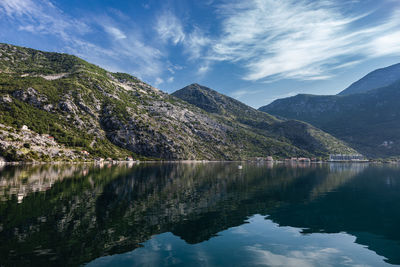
[86, 108]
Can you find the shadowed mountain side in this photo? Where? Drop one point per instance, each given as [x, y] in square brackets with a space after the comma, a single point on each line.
[369, 122]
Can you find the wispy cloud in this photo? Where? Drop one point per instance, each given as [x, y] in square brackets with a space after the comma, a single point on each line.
[193, 40]
[317, 257]
[115, 32]
[42, 17]
[196, 43]
[17, 7]
[271, 40]
[299, 39]
[203, 68]
[169, 28]
[145, 60]
[158, 81]
[386, 44]
[126, 50]
[238, 94]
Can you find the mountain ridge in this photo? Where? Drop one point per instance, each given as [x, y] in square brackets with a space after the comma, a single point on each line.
[228, 109]
[95, 113]
[367, 121]
[376, 79]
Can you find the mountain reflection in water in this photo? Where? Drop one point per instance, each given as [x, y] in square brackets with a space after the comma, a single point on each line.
[336, 214]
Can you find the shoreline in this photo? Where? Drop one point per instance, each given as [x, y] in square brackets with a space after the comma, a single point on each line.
[20, 163]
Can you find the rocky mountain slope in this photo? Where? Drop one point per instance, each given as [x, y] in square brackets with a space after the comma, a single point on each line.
[232, 112]
[84, 108]
[368, 121]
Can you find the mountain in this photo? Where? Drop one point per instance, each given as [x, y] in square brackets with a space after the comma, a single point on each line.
[369, 121]
[213, 102]
[59, 107]
[244, 118]
[376, 79]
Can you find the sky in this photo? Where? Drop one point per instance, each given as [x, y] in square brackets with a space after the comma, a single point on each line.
[255, 50]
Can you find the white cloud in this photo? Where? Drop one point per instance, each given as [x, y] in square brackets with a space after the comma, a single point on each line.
[147, 59]
[295, 258]
[169, 28]
[158, 81]
[239, 93]
[126, 51]
[387, 44]
[204, 68]
[196, 43]
[28, 28]
[270, 39]
[243, 92]
[299, 39]
[115, 32]
[347, 64]
[172, 68]
[17, 7]
[43, 17]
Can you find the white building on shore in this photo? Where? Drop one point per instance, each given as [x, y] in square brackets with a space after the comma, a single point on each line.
[346, 157]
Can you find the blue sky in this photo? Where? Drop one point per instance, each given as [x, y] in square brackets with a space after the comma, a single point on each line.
[254, 50]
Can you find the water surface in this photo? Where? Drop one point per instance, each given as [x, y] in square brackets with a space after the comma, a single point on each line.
[200, 214]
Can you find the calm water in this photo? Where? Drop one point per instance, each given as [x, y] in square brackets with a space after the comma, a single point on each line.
[204, 214]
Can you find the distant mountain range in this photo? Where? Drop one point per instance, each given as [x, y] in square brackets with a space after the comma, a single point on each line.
[366, 115]
[59, 107]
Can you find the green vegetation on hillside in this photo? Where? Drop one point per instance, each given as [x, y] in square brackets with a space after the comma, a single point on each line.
[86, 108]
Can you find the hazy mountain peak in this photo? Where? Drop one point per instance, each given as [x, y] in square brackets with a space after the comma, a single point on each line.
[373, 80]
[367, 119]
